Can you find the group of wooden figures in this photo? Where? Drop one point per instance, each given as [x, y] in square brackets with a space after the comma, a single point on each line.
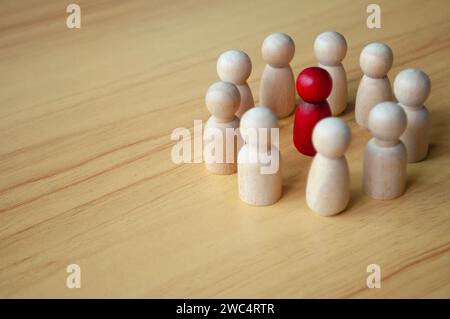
[400, 130]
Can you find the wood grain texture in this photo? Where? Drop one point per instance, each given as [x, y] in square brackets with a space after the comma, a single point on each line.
[86, 175]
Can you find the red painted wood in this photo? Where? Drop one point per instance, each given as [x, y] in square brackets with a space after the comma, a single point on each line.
[306, 118]
[313, 85]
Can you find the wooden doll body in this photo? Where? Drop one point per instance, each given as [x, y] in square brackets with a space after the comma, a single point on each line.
[330, 49]
[371, 91]
[256, 188]
[328, 185]
[247, 101]
[330, 178]
[375, 62]
[215, 129]
[277, 88]
[417, 134]
[384, 169]
[259, 161]
[221, 134]
[411, 88]
[338, 96]
[385, 159]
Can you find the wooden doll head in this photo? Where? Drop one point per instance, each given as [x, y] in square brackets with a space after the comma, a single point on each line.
[278, 49]
[331, 137]
[412, 87]
[222, 100]
[376, 60]
[387, 121]
[234, 66]
[253, 120]
[330, 48]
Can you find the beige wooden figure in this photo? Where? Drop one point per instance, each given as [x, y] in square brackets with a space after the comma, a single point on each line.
[221, 145]
[385, 158]
[328, 185]
[277, 90]
[235, 66]
[330, 49]
[411, 88]
[375, 62]
[259, 161]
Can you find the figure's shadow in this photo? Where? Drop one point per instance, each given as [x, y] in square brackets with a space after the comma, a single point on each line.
[434, 151]
[349, 110]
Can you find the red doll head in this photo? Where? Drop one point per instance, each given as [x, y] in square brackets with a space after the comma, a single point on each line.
[314, 84]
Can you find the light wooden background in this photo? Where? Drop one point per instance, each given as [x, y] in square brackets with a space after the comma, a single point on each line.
[86, 175]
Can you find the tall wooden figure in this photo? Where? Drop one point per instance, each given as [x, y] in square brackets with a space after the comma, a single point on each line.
[385, 158]
[328, 186]
[277, 89]
[221, 147]
[375, 62]
[330, 49]
[259, 160]
[313, 85]
[235, 66]
[411, 88]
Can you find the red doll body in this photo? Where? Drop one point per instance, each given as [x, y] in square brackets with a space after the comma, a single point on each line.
[313, 86]
[306, 118]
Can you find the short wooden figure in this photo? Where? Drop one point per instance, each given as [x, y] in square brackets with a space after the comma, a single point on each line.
[328, 186]
[277, 90]
[385, 158]
[330, 49]
[375, 62]
[411, 88]
[235, 66]
[259, 160]
[313, 85]
[220, 147]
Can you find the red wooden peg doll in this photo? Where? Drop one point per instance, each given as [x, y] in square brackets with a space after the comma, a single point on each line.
[313, 85]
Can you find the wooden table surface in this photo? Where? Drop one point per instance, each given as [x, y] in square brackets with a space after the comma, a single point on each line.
[86, 175]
